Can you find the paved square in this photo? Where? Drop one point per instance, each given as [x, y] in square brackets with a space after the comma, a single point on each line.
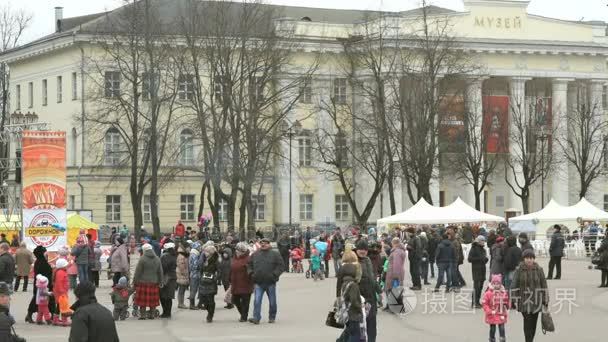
[303, 306]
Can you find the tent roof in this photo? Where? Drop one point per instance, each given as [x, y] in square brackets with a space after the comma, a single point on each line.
[556, 212]
[424, 213]
[588, 211]
[77, 221]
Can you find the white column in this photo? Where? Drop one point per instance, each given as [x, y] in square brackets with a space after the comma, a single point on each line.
[517, 92]
[560, 179]
[325, 196]
[595, 90]
[474, 109]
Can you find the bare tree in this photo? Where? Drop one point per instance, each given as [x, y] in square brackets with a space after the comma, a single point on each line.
[530, 159]
[584, 145]
[240, 58]
[134, 89]
[432, 62]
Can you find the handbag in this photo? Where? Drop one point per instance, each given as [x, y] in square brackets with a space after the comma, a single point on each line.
[547, 322]
[596, 259]
[15, 337]
[208, 278]
[228, 296]
[330, 321]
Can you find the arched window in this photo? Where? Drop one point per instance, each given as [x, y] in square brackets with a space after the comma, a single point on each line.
[112, 152]
[186, 148]
[74, 146]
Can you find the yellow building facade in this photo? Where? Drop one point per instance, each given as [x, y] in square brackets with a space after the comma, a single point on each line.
[517, 50]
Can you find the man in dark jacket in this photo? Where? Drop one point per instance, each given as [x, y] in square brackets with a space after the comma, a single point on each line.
[524, 243]
[265, 268]
[7, 264]
[478, 259]
[444, 257]
[337, 248]
[284, 244]
[556, 251]
[91, 321]
[511, 259]
[368, 286]
[457, 278]
[431, 248]
[414, 253]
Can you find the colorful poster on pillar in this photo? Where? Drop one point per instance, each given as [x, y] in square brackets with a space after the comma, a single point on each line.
[44, 178]
[451, 125]
[495, 124]
[541, 112]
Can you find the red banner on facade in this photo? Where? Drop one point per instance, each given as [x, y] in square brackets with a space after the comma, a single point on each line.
[496, 123]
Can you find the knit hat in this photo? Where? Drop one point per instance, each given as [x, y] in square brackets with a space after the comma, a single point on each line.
[146, 247]
[496, 279]
[210, 249]
[480, 239]
[242, 247]
[362, 245]
[61, 263]
[5, 289]
[168, 245]
[523, 236]
[500, 239]
[122, 282]
[423, 234]
[41, 281]
[528, 253]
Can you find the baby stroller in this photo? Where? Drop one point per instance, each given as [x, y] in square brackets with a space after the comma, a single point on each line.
[296, 261]
[135, 311]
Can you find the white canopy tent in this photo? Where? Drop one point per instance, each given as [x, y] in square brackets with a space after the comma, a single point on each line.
[424, 213]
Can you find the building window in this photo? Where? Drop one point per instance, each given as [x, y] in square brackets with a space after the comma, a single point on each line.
[147, 209]
[74, 146]
[112, 84]
[186, 207]
[45, 92]
[112, 208]
[219, 89]
[306, 96]
[605, 202]
[113, 153]
[305, 207]
[149, 85]
[604, 97]
[341, 149]
[500, 201]
[18, 97]
[222, 210]
[71, 202]
[305, 151]
[186, 148]
[256, 89]
[59, 89]
[342, 207]
[259, 202]
[30, 95]
[74, 86]
[185, 87]
[339, 91]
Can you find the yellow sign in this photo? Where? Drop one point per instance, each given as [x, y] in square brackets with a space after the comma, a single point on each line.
[499, 22]
[43, 231]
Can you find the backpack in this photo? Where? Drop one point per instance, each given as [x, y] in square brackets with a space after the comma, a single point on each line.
[342, 307]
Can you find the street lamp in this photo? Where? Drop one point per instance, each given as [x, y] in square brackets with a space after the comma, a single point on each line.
[542, 136]
[290, 131]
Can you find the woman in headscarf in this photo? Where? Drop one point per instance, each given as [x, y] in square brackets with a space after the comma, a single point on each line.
[167, 292]
[182, 273]
[240, 282]
[207, 288]
[147, 279]
[119, 260]
[41, 266]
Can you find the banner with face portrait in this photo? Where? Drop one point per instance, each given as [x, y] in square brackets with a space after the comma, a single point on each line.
[496, 123]
[452, 135]
[44, 180]
[540, 110]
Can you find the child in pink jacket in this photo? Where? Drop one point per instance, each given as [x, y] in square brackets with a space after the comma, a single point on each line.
[496, 306]
[72, 272]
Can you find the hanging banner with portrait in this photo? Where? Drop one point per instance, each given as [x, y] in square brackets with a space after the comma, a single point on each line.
[452, 136]
[44, 179]
[540, 111]
[496, 123]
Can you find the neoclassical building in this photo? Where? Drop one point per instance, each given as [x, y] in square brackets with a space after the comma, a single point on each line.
[523, 55]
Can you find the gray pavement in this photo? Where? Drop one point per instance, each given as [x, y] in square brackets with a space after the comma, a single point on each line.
[303, 306]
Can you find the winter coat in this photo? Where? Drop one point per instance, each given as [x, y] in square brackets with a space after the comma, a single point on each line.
[556, 248]
[42, 266]
[496, 305]
[240, 281]
[367, 285]
[168, 263]
[603, 251]
[497, 264]
[81, 252]
[396, 266]
[207, 285]
[432, 247]
[478, 259]
[512, 255]
[265, 267]
[148, 269]
[224, 267]
[445, 252]
[6, 322]
[414, 248]
[374, 257]
[7, 268]
[120, 297]
[98, 252]
[62, 285]
[284, 245]
[92, 322]
[458, 251]
[182, 270]
[120, 260]
[337, 246]
[524, 246]
[24, 260]
[194, 264]
[529, 288]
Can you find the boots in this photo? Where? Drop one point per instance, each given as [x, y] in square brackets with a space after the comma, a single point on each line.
[28, 318]
[152, 314]
[56, 320]
[65, 321]
[192, 305]
[142, 313]
[502, 339]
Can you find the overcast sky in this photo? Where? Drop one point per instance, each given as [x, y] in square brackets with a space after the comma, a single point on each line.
[43, 10]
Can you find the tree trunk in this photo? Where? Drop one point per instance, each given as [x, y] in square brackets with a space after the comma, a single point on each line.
[201, 205]
[391, 187]
[525, 202]
[478, 200]
[138, 219]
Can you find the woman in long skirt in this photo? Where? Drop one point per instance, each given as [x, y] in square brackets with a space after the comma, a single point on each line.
[147, 279]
